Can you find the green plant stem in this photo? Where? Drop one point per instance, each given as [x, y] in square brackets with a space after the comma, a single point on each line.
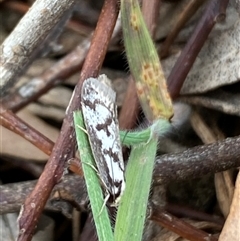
[133, 204]
[132, 209]
[99, 210]
[132, 138]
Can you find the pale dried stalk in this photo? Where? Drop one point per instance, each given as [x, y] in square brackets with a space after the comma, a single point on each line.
[27, 39]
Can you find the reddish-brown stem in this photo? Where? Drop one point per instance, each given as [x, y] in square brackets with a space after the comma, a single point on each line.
[150, 11]
[178, 226]
[18, 126]
[186, 14]
[130, 107]
[184, 211]
[63, 149]
[215, 12]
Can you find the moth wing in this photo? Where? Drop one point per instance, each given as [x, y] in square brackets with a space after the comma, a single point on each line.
[100, 116]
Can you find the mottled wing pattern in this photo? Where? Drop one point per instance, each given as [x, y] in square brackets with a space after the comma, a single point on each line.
[100, 117]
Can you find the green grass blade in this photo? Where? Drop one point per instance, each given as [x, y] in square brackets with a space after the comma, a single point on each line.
[133, 204]
[132, 209]
[130, 138]
[144, 63]
[101, 220]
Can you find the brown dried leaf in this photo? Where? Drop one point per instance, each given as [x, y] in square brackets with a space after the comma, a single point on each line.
[218, 100]
[218, 63]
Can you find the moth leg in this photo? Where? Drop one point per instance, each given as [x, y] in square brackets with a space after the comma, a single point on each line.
[107, 193]
[104, 202]
[84, 130]
[90, 165]
[98, 174]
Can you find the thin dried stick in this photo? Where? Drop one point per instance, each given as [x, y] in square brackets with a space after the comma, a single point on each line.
[185, 211]
[216, 157]
[12, 122]
[178, 226]
[185, 15]
[130, 107]
[27, 40]
[215, 12]
[13, 195]
[39, 85]
[150, 11]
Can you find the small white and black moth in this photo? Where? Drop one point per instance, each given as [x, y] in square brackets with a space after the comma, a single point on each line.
[100, 117]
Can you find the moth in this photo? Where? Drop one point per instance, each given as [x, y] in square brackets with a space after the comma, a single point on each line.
[100, 117]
